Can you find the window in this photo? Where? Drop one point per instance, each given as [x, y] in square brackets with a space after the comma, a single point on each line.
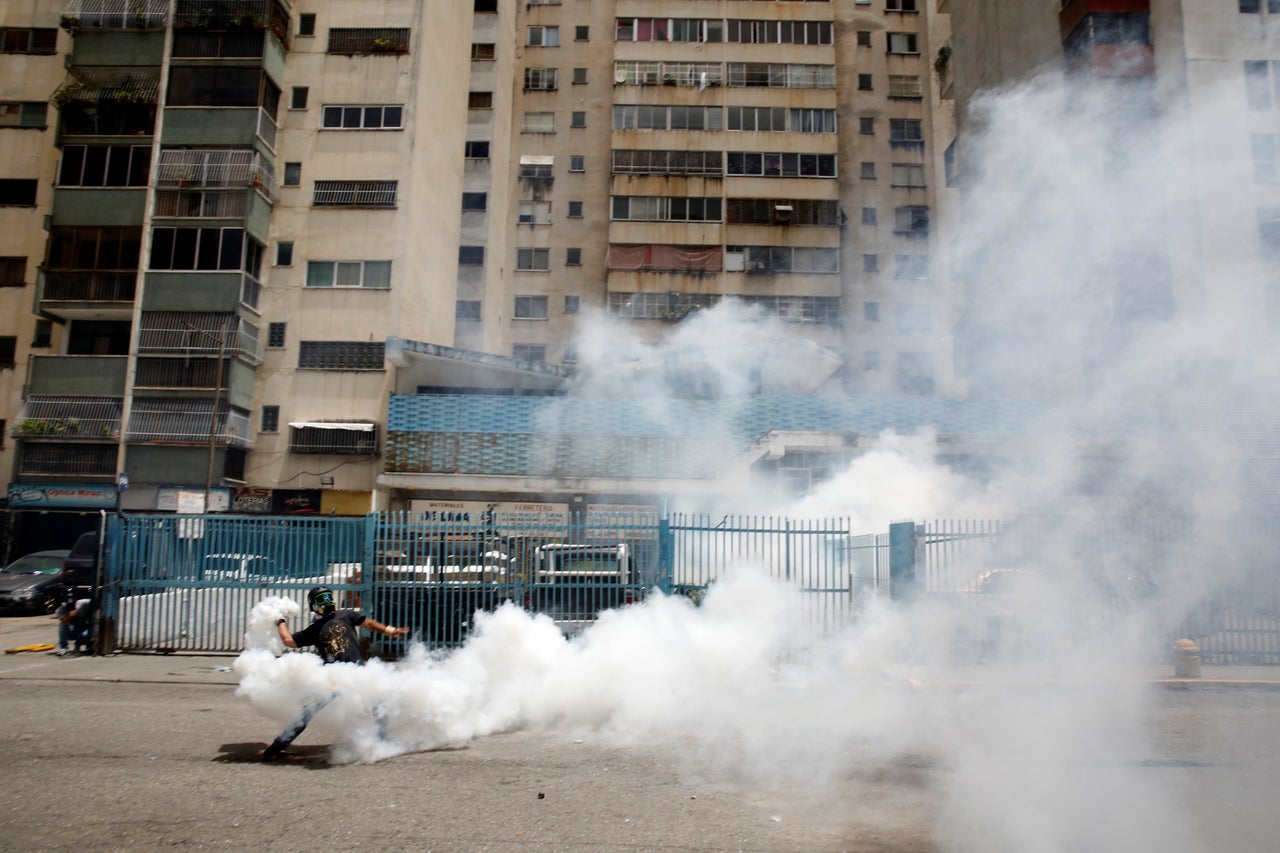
[8, 351]
[354, 194]
[1258, 76]
[868, 216]
[1269, 233]
[476, 149]
[533, 260]
[579, 76]
[284, 253]
[104, 166]
[31, 114]
[906, 131]
[866, 124]
[577, 163]
[900, 5]
[907, 175]
[575, 210]
[542, 37]
[222, 86]
[911, 219]
[1264, 158]
[13, 272]
[781, 164]
[529, 352]
[362, 117]
[867, 171]
[783, 259]
[1250, 6]
[666, 209]
[582, 33]
[812, 121]
[298, 97]
[578, 118]
[17, 192]
[483, 52]
[533, 213]
[789, 75]
[779, 32]
[538, 123]
[572, 303]
[905, 86]
[201, 249]
[486, 5]
[43, 336]
[475, 201]
[530, 308]
[371, 275]
[480, 100]
[572, 258]
[569, 355]
[275, 335]
[470, 256]
[533, 171]
[870, 263]
[466, 309]
[307, 24]
[35, 40]
[864, 38]
[911, 266]
[903, 43]
[864, 82]
[292, 175]
[341, 355]
[775, 211]
[270, 419]
[368, 40]
[644, 162]
[646, 117]
[871, 312]
[539, 79]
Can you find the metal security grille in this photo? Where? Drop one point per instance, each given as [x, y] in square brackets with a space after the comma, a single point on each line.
[344, 439]
[353, 40]
[341, 355]
[69, 418]
[354, 194]
[68, 460]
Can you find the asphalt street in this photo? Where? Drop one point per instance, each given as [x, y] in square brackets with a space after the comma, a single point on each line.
[144, 752]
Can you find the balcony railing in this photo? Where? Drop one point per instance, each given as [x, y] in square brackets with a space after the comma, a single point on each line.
[214, 168]
[68, 460]
[233, 15]
[69, 419]
[187, 421]
[250, 291]
[346, 439]
[116, 15]
[267, 129]
[90, 285]
[172, 332]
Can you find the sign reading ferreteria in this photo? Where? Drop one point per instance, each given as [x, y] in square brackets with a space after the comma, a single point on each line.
[51, 495]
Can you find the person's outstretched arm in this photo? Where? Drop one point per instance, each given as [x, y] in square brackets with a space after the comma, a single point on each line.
[389, 630]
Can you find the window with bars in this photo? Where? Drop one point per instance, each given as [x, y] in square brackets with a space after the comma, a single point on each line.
[773, 211]
[341, 355]
[345, 440]
[370, 275]
[354, 194]
[270, 419]
[530, 308]
[782, 75]
[275, 335]
[905, 86]
[780, 164]
[362, 117]
[29, 114]
[540, 79]
[538, 122]
[368, 40]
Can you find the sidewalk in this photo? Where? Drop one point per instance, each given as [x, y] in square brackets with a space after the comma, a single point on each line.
[194, 668]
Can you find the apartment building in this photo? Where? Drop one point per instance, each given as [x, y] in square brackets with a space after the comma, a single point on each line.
[218, 213]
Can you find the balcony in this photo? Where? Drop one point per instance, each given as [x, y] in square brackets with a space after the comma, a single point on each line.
[187, 421]
[190, 374]
[198, 333]
[40, 459]
[115, 15]
[69, 419]
[73, 376]
[84, 294]
[210, 124]
[215, 169]
[218, 15]
[109, 101]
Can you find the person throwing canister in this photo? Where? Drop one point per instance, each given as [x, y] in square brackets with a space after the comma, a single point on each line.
[333, 633]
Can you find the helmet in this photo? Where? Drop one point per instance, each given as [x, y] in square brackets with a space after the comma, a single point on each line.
[320, 599]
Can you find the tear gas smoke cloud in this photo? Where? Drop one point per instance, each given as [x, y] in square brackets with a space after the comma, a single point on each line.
[743, 687]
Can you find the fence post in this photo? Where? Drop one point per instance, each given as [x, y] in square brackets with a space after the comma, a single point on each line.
[902, 561]
[666, 554]
[110, 543]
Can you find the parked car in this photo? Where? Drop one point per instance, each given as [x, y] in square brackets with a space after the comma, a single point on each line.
[80, 568]
[30, 583]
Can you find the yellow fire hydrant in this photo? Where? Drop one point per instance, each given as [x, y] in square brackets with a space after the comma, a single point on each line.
[1186, 659]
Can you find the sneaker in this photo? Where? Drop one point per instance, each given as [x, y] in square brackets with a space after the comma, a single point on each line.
[61, 653]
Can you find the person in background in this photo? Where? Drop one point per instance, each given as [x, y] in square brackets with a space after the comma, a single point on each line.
[333, 633]
[75, 625]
